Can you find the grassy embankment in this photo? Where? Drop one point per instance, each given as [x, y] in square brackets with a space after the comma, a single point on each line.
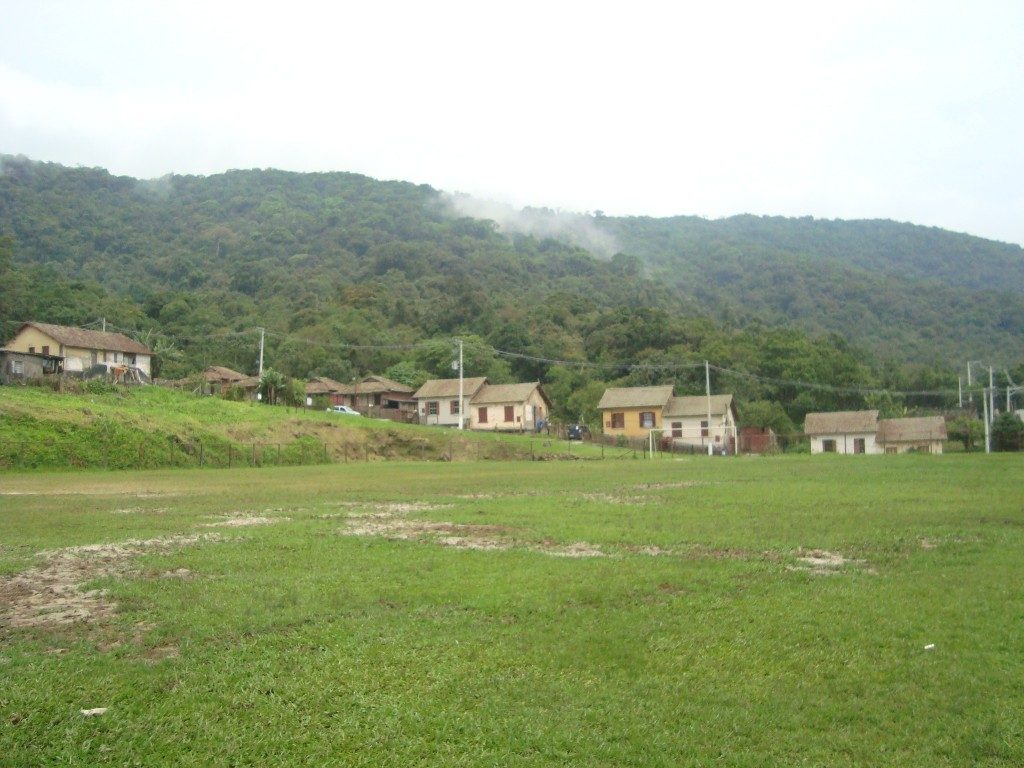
[151, 427]
[796, 610]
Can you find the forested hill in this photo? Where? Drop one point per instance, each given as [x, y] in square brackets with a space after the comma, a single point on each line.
[324, 260]
[911, 292]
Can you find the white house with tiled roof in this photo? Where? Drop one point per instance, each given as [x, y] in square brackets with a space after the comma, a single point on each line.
[509, 407]
[81, 348]
[438, 400]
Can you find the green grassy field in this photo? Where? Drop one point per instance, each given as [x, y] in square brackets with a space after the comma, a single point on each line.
[755, 611]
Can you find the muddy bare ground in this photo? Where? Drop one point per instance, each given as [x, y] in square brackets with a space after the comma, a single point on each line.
[51, 595]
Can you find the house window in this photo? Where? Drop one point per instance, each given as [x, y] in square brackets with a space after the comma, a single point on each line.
[31, 350]
[618, 421]
[647, 419]
[17, 367]
[454, 408]
[432, 408]
[891, 449]
[677, 429]
[46, 349]
[858, 445]
[510, 413]
[828, 446]
[704, 432]
[482, 415]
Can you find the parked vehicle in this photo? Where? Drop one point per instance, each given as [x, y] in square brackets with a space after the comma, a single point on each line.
[344, 410]
[578, 432]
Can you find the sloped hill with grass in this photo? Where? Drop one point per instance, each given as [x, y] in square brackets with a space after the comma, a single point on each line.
[104, 427]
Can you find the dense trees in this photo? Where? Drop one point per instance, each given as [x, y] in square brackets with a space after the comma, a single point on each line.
[352, 276]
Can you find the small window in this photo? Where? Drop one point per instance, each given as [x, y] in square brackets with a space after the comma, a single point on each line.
[891, 449]
[510, 413]
[46, 349]
[677, 429]
[17, 367]
[647, 419]
[704, 431]
[453, 408]
[618, 421]
[858, 445]
[482, 415]
[432, 408]
[31, 350]
[828, 446]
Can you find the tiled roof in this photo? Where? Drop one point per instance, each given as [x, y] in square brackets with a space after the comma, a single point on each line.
[635, 397]
[507, 393]
[83, 339]
[841, 423]
[697, 405]
[321, 385]
[374, 384]
[449, 387]
[220, 373]
[911, 430]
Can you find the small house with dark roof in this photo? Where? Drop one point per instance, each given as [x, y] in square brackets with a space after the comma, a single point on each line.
[509, 407]
[842, 431]
[81, 349]
[437, 401]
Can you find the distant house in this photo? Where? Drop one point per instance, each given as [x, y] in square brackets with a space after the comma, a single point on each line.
[81, 349]
[509, 407]
[633, 411]
[438, 403]
[382, 397]
[687, 421]
[334, 391]
[925, 434]
[19, 367]
[219, 379]
[842, 431]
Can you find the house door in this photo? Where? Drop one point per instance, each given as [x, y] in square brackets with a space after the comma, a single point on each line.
[858, 445]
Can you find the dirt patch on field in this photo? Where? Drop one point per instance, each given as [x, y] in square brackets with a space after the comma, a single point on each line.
[245, 520]
[611, 498]
[822, 562]
[388, 521]
[51, 594]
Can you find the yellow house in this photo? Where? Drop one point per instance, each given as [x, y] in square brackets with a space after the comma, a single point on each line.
[633, 411]
[81, 348]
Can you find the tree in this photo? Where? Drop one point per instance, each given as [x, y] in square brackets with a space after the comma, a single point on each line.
[767, 413]
[1007, 433]
[967, 430]
[271, 384]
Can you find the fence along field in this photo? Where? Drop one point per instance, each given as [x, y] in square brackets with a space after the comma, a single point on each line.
[811, 610]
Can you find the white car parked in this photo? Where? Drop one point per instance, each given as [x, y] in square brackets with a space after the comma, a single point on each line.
[344, 410]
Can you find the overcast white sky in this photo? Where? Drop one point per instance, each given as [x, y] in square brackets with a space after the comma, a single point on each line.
[908, 111]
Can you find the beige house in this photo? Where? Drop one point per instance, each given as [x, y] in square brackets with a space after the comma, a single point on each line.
[219, 379]
[686, 421]
[925, 434]
[437, 401]
[509, 407]
[633, 411]
[81, 348]
[842, 431]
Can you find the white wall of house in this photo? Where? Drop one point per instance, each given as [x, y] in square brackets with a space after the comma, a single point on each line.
[509, 417]
[444, 417]
[34, 340]
[924, 446]
[845, 443]
[696, 430]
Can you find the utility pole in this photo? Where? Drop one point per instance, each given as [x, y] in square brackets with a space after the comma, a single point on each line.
[991, 396]
[988, 433]
[960, 391]
[262, 331]
[707, 386]
[104, 325]
[462, 416]
[970, 394]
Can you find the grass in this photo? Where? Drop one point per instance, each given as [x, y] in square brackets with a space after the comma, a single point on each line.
[152, 427]
[699, 637]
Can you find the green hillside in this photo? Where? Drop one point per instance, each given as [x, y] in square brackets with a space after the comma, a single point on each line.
[349, 276]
